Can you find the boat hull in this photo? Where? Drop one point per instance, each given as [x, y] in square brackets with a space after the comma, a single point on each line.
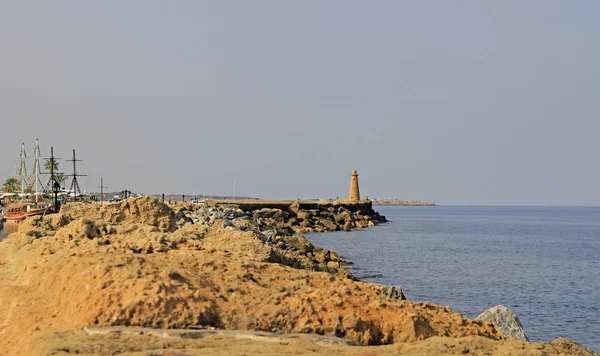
[15, 218]
[23, 215]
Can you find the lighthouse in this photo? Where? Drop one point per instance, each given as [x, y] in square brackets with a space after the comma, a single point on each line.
[354, 192]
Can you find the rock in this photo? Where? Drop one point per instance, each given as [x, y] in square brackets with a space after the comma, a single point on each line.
[242, 224]
[328, 224]
[505, 321]
[228, 223]
[184, 220]
[278, 215]
[359, 224]
[306, 223]
[283, 229]
[305, 215]
[332, 264]
[349, 225]
[299, 243]
[570, 347]
[269, 236]
[393, 292]
[295, 207]
[322, 256]
[338, 218]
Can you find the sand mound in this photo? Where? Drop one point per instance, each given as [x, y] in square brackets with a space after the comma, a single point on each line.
[240, 242]
[68, 289]
[144, 210]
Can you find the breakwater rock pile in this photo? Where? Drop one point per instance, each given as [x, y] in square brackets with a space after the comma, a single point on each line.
[129, 265]
[282, 219]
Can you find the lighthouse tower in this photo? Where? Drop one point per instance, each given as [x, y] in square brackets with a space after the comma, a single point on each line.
[354, 192]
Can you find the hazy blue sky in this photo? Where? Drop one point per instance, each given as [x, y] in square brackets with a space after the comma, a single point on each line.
[456, 102]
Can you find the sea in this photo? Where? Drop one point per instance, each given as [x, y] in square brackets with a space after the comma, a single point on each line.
[542, 262]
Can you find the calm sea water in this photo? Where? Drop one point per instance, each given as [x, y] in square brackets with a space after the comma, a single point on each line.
[542, 262]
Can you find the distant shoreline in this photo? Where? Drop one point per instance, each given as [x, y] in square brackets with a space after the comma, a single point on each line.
[402, 202]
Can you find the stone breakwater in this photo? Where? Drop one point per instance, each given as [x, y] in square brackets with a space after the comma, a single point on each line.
[281, 218]
[131, 264]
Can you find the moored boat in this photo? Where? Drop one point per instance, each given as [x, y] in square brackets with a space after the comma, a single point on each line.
[22, 210]
[32, 200]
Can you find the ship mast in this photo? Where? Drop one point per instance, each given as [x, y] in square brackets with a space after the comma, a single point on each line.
[74, 182]
[23, 169]
[52, 181]
[36, 169]
[102, 191]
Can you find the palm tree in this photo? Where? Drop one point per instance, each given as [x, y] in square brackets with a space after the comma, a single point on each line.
[60, 178]
[11, 185]
[49, 163]
[52, 165]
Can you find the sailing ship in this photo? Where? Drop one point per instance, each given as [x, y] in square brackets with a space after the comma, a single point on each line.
[31, 201]
[21, 211]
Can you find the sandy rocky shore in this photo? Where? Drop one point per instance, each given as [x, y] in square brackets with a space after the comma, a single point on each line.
[143, 278]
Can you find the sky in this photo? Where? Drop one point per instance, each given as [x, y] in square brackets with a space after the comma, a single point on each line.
[452, 102]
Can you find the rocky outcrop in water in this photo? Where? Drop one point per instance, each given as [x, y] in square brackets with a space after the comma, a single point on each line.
[505, 320]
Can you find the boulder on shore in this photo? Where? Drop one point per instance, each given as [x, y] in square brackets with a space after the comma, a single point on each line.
[393, 292]
[504, 320]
